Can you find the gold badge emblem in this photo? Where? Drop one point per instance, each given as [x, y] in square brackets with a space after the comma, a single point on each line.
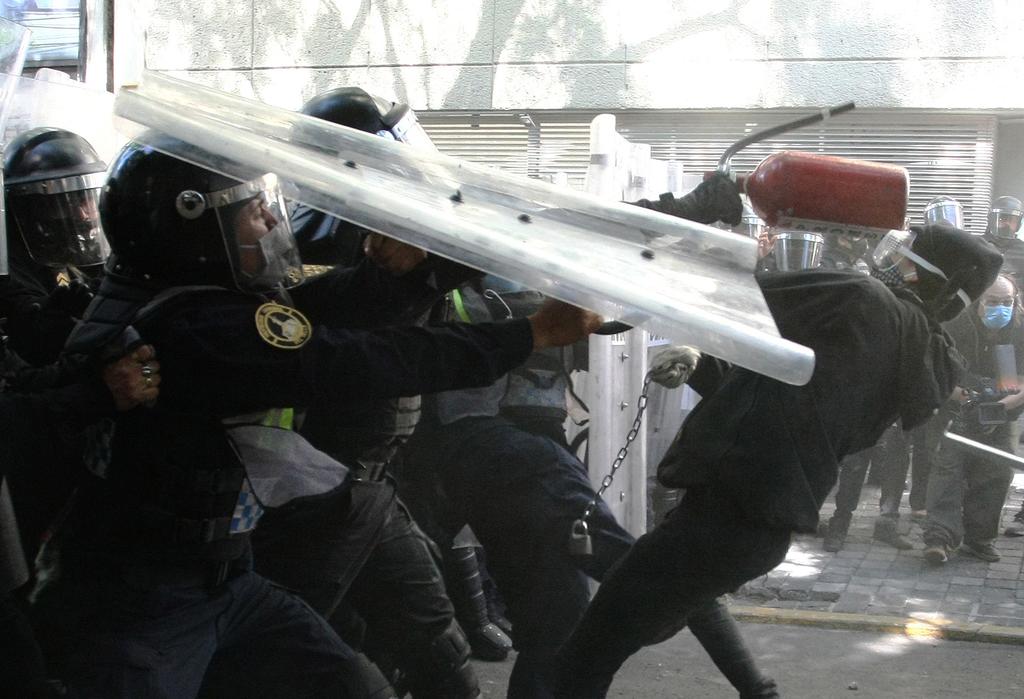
[282, 327]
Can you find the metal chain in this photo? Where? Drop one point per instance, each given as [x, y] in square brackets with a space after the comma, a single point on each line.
[641, 406]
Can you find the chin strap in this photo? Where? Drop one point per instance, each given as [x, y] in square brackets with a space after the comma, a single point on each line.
[925, 264]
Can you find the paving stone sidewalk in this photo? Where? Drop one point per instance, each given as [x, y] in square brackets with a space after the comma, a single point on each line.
[869, 577]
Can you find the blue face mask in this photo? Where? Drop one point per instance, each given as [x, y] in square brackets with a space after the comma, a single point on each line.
[997, 316]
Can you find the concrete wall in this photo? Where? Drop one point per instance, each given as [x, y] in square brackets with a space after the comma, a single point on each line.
[600, 54]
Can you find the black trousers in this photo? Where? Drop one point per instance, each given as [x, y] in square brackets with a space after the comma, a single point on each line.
[22, 675]
[160, 632]
[359, 557]
[891, 455]
[520, 492]
[966, 494]
[671, 577]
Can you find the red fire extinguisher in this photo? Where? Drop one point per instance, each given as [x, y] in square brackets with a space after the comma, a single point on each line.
[822, 193]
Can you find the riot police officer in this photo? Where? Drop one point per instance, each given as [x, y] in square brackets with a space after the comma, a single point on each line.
[1004, 222]
[44, 409]
[944, 209]
[157, 584]
[52, 180]
[367, 562]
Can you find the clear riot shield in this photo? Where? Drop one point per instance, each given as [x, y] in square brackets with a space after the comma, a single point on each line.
[681, 279]
[65, 104]
[14, 40]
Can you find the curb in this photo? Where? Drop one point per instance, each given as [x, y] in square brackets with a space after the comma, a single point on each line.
[907, 626]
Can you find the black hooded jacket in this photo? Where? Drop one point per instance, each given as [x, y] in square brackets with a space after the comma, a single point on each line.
[775, 448]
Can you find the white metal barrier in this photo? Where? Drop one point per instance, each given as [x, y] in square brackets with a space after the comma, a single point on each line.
[624, 171]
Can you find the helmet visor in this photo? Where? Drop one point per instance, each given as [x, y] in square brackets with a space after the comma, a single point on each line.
[254, 222]
[1004, 223]
[59, 220]
[409, 131]
[947, 211]
[892, 255]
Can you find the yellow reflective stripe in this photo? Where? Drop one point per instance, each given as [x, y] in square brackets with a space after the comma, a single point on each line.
[460, 308]
[283, 418]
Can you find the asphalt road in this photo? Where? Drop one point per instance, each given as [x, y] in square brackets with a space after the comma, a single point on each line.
[813, 662]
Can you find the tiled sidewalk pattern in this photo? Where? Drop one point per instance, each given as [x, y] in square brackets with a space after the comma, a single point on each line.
[869, 577]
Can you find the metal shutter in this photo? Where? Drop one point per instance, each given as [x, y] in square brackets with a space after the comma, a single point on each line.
[946, 153]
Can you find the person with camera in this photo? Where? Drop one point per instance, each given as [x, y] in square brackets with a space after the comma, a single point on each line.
[965, 494]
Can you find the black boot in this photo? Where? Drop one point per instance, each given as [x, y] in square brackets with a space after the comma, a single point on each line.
[487, 641]
[495, 604]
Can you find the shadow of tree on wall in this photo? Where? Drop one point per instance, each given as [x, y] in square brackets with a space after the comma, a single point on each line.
[785, 41]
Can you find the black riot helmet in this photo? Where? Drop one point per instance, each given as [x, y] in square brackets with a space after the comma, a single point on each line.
[355, 108]
[52, 181]
[325, 239]
[172, 223]
[1005, 217]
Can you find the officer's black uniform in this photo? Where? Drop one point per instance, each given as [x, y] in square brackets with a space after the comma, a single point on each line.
[363, 559]
[1013, 256]
[32, 423]
[166, 510]
[369, 569]
[157, 590]
[758, 457]
[44, 408]
[520, 492]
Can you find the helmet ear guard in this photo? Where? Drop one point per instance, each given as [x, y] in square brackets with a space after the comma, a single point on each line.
[190, 204]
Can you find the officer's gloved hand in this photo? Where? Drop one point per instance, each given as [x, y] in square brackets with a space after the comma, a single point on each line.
[557, 324]
[715, 199]
[673, 366]
[393, 255]
[68, 300]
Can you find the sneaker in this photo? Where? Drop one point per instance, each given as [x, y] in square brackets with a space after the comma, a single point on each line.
[836, 535]
[886, 532]
[986, 552]
[919, 515]
[1015, 529]
[936, 554]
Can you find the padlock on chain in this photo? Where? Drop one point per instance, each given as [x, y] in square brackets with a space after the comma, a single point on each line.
[580, 543]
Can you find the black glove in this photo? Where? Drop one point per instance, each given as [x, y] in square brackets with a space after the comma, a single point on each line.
[70, 300]
[714, 199]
